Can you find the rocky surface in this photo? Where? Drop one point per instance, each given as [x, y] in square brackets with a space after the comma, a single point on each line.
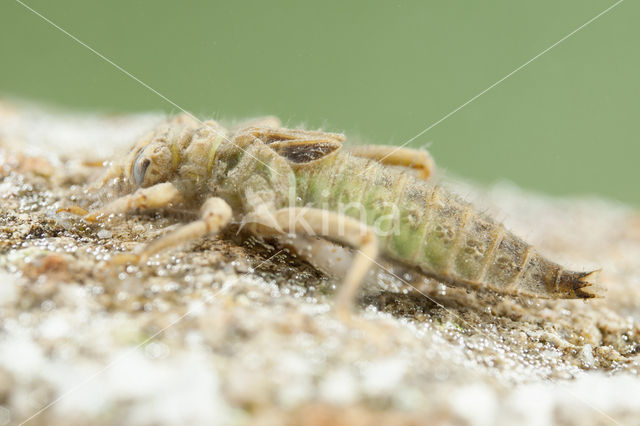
[232, 330]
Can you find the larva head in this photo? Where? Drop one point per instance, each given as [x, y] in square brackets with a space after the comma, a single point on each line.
[151, 164]
[141, 167]
[159, 156]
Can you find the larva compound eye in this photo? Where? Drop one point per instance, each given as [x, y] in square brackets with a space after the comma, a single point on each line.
[139, 169]
[152, 165]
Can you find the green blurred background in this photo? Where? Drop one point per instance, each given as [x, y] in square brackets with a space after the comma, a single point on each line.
[381, 71]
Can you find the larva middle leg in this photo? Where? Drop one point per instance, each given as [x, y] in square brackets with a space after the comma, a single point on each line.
[268, 121]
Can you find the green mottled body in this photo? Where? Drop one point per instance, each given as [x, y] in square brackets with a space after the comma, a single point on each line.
[425, 226]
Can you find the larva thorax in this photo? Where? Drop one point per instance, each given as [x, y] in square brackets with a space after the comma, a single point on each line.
[205, 159]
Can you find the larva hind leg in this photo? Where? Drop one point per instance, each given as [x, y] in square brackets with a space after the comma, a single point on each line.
[336, 227]
[215, 215]
[153, 197]
[394, 156]
[326, 256]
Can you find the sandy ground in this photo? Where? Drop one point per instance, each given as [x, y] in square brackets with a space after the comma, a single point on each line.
[231, 330]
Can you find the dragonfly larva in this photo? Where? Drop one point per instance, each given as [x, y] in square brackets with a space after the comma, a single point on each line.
[274, 180]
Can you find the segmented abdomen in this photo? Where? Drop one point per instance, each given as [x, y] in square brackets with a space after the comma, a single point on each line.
[427, 227]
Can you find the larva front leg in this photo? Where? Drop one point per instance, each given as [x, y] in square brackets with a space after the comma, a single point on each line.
[215, 215]
[417, 159]
[334, 226]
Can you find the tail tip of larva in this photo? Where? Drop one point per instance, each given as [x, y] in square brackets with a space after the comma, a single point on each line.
[584, 285]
